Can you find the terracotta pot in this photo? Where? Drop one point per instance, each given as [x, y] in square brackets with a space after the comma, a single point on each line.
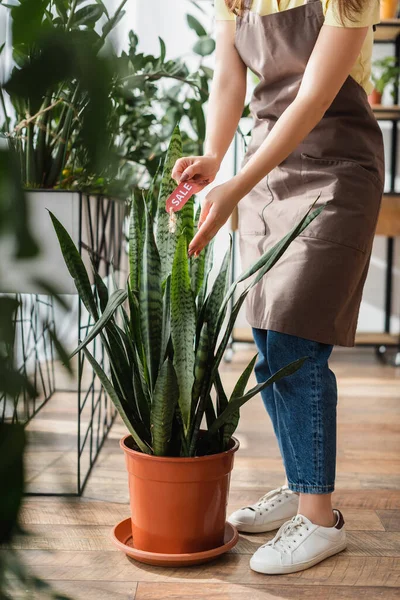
[389, 9]
[178, 505]
[375, 97]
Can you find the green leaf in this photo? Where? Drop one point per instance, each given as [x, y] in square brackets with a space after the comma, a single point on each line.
[101, 3]
[208, 265]
[204, 46]
[164, 401]
[150, 301]
[166, 321]
[116, 299]
[76, 267]
[217, 294]
[163, 50]
[183, 328]
[201, 364]
[101, 289]
[222, 399]
[207, 71]
[239, 389]
[199, 121]
[235, 403]
[109, 389]
[135, 243]
[88, 15]
[187, 220]
[167, 241]
[196, 26]
[112, 23]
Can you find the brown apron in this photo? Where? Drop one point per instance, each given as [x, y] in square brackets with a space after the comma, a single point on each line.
[315, 290]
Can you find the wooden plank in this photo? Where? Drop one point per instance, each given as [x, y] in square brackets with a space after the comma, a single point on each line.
[387, 30]
[389, 218]
[390, 519]
[386, 113]
[88, 590]
[224, 591]
[339, 570]
[377, 542]
[77, 511]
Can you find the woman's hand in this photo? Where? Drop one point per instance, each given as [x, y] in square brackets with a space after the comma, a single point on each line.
[216, 209]
[199, 169]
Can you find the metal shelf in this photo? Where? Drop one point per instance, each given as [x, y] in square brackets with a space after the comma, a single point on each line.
[386, 113]
[387, 31]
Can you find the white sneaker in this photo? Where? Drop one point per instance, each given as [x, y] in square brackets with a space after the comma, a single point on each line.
[270, 512]
[298, 545]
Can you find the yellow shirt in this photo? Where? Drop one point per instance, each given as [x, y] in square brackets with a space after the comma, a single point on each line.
[370, 15]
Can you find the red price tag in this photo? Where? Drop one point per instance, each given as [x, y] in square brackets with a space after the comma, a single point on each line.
[181, 195]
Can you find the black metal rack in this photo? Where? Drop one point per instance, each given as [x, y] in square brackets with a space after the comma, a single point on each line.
[102, 219]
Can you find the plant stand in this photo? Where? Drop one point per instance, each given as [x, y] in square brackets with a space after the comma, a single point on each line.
[67, 425]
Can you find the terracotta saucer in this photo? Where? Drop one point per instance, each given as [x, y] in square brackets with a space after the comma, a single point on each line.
[122, 538]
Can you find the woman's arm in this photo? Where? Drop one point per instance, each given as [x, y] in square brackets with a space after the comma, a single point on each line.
[332, 59]
[225, 107]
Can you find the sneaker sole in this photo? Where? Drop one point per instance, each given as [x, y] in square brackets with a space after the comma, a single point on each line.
[284, 569]
[243, 528]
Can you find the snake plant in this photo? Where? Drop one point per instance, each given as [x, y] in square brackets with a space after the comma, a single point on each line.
[167, 332]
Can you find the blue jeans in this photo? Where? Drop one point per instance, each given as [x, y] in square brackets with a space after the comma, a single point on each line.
[302, 408]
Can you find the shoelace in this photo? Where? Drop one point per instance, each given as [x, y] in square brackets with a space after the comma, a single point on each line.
[288, 533]
[269, 497]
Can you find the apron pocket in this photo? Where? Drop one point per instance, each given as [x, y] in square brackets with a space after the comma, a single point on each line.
[352, 195]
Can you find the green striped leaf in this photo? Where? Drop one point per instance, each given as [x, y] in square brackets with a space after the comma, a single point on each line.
[142, 392]
[150, 302]
[101, 289]
[167, 241]
[187, 220]
[208, 265]
[135, 244]
[110, 391]
[166, 320]
[135, 329]
[183, 328]
[164, 401]
[217, 294]
[236, 403]
[222, 399]
[232, 421]
[116, 299]
[76, 267]
[200, 366]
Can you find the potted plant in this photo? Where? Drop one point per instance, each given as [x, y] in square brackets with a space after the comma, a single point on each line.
[385, 71]
[55, 100]
[165, 336]
[73, 114]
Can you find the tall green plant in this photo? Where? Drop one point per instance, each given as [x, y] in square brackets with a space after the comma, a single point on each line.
[165, 351]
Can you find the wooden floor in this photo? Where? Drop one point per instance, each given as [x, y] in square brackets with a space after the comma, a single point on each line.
[70, 544]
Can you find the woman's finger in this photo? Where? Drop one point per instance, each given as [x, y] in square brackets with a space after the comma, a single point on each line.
[191, 171]
[208, 230]
[205, 209]
[179, 167]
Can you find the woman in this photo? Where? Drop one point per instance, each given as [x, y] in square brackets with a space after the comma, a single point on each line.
[314, 133]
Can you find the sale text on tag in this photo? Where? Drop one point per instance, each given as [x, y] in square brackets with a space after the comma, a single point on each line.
[181, 195]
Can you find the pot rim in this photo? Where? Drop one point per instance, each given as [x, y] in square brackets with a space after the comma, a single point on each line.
[177, 459]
